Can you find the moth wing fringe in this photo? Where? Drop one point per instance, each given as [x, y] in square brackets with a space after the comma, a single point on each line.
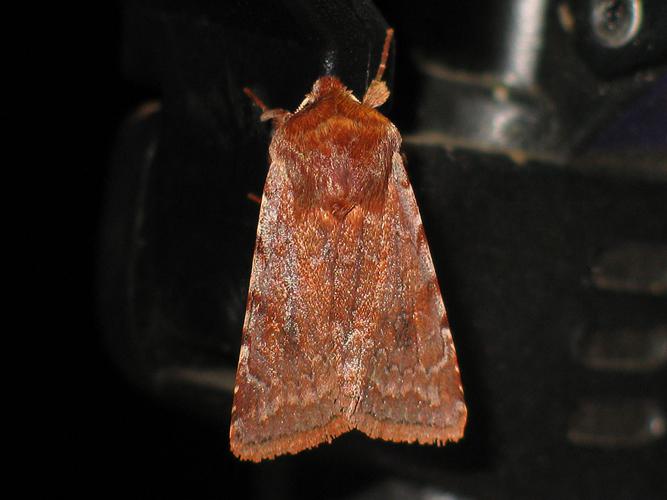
[291, 443]
[408, 433]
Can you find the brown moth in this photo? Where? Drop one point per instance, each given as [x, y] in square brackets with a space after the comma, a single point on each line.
[345, 326]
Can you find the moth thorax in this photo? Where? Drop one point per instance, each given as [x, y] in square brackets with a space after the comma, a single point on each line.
[338, 181]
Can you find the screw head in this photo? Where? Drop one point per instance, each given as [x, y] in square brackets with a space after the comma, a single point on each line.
[616, 22]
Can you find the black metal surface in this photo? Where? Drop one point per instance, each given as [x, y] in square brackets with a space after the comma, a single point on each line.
[549, 241]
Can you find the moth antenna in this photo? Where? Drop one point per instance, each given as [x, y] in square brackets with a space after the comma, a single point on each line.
[277, 115]
[377, 92]
[385, 54]
[260, 104]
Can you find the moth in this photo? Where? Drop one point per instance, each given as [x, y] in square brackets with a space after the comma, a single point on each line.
[345, 326]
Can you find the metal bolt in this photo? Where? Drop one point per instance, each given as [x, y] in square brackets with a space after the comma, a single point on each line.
[616, 22]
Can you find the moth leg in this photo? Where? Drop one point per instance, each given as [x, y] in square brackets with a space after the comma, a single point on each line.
[254, 198]
[278, 115]
[377, 92]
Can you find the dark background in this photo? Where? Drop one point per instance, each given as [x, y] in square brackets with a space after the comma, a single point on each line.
[139, 441]
[118, 433]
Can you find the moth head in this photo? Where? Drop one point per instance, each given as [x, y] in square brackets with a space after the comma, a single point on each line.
[324, 87]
